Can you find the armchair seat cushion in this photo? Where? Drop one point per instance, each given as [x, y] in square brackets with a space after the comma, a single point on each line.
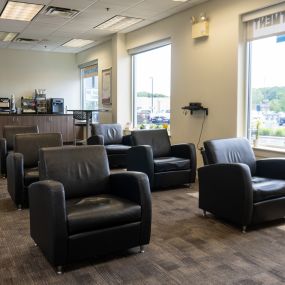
[117, 149]
[163, 164]
[100, 211]
[266, 188]
[31, 175]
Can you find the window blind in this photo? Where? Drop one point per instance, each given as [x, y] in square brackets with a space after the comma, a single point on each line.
[265, 22]
[89, 71]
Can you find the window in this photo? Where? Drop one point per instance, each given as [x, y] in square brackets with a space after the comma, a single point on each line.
[151, 88]
[89, 88]
[266, 81]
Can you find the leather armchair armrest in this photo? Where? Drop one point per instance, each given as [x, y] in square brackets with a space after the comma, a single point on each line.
[226, 191]
[95, 140]
[134, 186]
[187, 151]
[131, 185]
[48, 222]
[127, 140]
[271, 168]
[15, 178]
[140, 158]
[3, 155]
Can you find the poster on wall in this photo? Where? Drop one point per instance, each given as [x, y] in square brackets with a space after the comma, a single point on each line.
[107, 86]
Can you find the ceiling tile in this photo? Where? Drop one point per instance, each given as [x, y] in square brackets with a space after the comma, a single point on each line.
[72, 4]
[40, 29]
[12, 25]
[58, 30]
[3, 44]
[51, 19]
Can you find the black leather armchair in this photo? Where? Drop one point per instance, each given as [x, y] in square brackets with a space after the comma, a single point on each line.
[79, 210]
[7, 142]
[237, 187]
[111, 136]
[22, 163]
[166, 165]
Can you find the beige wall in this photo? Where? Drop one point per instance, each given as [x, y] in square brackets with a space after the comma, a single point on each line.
[113, 54]
[204, 70]
[207, 70]
[23, 71]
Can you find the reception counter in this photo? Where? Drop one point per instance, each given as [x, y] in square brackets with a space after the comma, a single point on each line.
[47, 123]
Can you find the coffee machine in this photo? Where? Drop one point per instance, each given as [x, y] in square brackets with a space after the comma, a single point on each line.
[56, 105]
[5, 104]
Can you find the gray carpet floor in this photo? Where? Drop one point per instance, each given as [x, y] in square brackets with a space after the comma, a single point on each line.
[185, 248]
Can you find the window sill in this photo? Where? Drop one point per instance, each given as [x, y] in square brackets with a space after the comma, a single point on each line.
[263, 151]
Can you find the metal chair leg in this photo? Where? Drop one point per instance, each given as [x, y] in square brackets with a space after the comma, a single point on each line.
[141, 249]
[59, 270]
[204, 213]
[243, 229]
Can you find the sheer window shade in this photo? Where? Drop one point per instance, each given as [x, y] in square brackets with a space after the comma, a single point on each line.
[265, 22]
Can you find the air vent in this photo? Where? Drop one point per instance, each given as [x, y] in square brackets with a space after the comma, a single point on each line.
[60, 12]
[25, 40]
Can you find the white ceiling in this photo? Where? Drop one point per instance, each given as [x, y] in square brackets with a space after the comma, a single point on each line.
[51, 31]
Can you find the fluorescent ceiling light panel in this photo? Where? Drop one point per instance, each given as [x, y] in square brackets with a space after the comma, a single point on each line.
[180, 0]
[20, 11]
[77, 43]
[118, 23]
[7, 37]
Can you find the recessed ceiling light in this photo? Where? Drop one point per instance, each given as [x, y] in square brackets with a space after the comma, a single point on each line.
[7, 37]
[20, 11]
[76, 43]
[118, 23]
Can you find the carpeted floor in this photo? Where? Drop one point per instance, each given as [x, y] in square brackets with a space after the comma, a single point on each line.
[185, 248]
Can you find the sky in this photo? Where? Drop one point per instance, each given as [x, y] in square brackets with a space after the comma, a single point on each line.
[153, 67]
[268, 63]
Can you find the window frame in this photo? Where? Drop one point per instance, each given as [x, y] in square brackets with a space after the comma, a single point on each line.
[133, 53]
[81, 70]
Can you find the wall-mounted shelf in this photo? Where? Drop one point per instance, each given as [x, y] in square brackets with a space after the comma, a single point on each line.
[193, 107]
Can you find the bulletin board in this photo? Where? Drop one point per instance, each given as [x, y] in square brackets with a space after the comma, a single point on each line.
[107, 86]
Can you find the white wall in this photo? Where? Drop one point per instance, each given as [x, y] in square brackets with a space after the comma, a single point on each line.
[204, 70]
[21, 72]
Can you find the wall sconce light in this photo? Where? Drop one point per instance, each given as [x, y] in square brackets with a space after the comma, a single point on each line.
[203, 17]
[200, 28]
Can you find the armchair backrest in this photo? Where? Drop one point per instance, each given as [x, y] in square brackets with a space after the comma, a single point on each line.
[232, 150]
[29, 145]
[9, 133]
[83, 171]
[112, 133]
[157, 139]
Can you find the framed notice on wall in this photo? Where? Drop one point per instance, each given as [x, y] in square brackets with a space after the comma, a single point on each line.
[107, 86]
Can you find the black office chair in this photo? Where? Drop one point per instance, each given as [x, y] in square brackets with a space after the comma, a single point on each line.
[7, 142]
[166, 165]
[22, 163]
[237, 187]
[116, 144]
[79, 210]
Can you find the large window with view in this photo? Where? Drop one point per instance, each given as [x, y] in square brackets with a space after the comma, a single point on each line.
[151, 88]
[89, 89]
[266, 84]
